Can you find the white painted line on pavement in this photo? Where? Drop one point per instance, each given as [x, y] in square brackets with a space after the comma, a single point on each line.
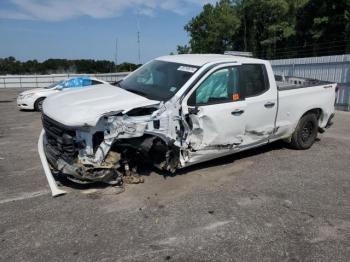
[25, 196]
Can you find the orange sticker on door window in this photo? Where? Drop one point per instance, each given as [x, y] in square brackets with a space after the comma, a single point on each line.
[235, 96]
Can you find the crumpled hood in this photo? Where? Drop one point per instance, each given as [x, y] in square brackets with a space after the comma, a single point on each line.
[86, 106]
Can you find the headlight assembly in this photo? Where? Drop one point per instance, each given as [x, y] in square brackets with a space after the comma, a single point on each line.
[28, 95]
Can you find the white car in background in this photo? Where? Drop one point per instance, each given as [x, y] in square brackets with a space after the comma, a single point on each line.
[33, 99]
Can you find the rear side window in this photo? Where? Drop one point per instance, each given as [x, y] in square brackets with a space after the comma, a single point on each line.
[86, 82]
[90, 82]
[253, 79]
[73, 82]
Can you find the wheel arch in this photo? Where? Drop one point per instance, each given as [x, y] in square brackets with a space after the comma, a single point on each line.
[37, 101]
[154, 149]
[317, 111]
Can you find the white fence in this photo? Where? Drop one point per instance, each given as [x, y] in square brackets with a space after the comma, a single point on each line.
[328, 68]
[33, 81]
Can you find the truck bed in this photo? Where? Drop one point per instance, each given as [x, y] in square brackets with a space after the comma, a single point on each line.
[299, 95]
[292, 82]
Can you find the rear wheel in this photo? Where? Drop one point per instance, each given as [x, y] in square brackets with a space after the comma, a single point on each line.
[306, 132]
[38, 106]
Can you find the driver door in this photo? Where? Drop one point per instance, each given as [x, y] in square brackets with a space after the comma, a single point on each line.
[214, 111]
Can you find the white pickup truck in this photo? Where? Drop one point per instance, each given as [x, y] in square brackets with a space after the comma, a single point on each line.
[176, 111]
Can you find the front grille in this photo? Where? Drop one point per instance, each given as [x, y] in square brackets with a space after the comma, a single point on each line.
[61, 141]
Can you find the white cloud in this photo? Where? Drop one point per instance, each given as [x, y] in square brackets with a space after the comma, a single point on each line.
[58, 10]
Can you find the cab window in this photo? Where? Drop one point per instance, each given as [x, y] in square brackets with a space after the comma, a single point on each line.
[254, 79]
[220, 87]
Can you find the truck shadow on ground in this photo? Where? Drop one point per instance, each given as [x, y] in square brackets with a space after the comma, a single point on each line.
[147, 170]
[230, 159]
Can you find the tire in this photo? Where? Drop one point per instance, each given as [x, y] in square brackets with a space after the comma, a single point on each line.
[38, 105]
[306, 132]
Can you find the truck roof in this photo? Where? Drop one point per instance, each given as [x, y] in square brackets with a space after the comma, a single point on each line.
[202, 59]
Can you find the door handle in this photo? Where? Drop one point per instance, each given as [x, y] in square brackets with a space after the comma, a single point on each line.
[269, 104]
[237, 112]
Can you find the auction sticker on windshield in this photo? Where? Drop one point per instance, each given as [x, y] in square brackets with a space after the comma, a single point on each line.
[187, 69]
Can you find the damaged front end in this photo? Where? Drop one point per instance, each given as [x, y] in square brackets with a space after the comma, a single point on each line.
[112, 151]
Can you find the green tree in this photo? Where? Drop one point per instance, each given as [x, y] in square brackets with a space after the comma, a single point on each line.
[127, 67]
[214, 29]
[183, 49]
[272, 28]
[323, 27]
[10, 65]
[267, 25]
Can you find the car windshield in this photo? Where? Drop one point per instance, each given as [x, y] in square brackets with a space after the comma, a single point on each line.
[158, 80]
[54, 84]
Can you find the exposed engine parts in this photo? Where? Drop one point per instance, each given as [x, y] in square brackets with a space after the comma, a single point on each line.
[115, 152]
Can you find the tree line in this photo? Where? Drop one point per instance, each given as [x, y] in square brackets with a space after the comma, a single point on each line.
[10, 65]
[271, 29]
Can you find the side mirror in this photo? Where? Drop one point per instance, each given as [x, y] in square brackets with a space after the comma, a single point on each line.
[193, 110]
[192, 100]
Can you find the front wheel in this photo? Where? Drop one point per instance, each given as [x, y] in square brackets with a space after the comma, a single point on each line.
[306, 132]
[38, 106]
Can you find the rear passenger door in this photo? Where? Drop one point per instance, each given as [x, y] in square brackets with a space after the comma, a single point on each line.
[261, 103]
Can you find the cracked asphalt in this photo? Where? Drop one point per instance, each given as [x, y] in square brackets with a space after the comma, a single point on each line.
[267, 204]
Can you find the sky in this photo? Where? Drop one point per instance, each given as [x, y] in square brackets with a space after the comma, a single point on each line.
[88, 29]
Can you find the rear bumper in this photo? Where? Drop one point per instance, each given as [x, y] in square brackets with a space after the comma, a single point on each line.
[330, 122]
[328, 125]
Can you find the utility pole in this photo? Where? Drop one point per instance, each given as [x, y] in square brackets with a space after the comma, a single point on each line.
[274, 44]
[138, 37]
[116, 54]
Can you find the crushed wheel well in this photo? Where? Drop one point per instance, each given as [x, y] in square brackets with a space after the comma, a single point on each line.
[148, 149]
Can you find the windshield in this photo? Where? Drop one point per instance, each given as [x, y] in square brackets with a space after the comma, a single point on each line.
[158, 80]
[54, 84]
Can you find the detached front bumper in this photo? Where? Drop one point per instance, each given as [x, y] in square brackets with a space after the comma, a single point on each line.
[330, 121]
